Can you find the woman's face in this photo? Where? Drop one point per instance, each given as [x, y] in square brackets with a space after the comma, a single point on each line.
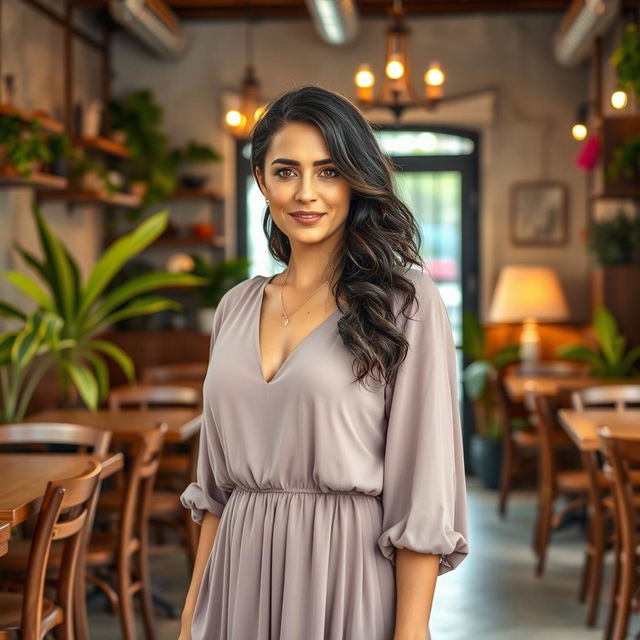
[300, 177]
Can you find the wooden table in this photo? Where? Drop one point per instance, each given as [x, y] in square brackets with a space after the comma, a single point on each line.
[25, 477]
[183, 423]
[582, 425]
[518, 385]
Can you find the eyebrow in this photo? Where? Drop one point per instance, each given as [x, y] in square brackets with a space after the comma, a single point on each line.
[295, 163]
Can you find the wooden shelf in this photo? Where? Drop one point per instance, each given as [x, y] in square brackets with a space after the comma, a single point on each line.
[196, 194]
[631, 192]
[37, 180]
[105, 145]
[92, 197]
[47, 123]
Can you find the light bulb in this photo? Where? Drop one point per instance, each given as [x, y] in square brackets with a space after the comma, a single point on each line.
[394, 68]
[234, 118]
[579, 131]
[434, 75]
[364, 78]
[619, 99]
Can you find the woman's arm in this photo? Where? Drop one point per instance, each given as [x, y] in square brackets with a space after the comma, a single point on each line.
[205, 544]
[416, 575]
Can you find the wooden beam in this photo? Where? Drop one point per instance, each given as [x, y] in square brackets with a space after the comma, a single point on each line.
[228, 9]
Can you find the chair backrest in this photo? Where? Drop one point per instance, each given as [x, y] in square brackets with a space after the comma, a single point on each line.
[618, 396]
[78, 435]
[136, 502]
[161, 395]
[168, 373]
[623, 454]
[64, 515]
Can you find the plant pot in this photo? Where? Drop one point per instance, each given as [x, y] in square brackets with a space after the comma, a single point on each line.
[205, 319]
[486, 460]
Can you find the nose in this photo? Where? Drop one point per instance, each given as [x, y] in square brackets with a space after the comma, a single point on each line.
[306, 190]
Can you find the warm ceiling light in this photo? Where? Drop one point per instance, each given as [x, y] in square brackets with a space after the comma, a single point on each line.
[397, 92]
[579, 131]
[234, 118]
[619, 99]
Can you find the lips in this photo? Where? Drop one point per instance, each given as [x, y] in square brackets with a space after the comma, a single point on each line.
[307, 215]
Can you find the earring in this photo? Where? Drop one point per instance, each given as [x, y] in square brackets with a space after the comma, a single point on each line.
[266, 201]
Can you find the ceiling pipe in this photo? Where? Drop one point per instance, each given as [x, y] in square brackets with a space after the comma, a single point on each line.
[336, 21]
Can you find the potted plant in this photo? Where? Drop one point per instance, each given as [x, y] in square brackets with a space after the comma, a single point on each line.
[626, 59]
[610, 359]
[153, 163]
[615, 244]
[480, 385]
[60, 149]
[192, 157]
[22, 147]
[84, 313]
[625, 161]
[219, 278]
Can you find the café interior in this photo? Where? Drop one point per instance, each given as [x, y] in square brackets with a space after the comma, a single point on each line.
[128, 209]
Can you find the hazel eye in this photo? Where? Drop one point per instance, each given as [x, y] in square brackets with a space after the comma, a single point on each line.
[283, 169]
[335, 173]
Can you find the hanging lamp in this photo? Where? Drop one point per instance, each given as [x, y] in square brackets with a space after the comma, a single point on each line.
[239, 122]
[397, 92]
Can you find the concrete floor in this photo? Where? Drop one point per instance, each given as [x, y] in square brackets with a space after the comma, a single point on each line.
[492, 595]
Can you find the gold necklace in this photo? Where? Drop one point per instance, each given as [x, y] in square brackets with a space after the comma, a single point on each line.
[284, 313]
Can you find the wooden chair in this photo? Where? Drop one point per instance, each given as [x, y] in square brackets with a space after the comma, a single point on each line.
[64, 516]
[519, 445]
[83, 439]
[177, 372]
[617, 396]
[623, 456]
[166, 508]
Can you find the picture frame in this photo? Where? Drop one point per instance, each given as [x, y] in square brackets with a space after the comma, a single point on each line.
[539, 214]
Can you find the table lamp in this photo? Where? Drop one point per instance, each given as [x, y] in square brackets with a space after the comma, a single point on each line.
[528, 294]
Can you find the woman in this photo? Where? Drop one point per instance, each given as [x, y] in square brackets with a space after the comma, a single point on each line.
[330, 472]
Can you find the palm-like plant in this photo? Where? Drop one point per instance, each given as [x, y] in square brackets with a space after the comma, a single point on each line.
[610, 360]
[80, 312]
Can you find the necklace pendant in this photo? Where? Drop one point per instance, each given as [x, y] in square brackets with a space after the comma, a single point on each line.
[286, 322]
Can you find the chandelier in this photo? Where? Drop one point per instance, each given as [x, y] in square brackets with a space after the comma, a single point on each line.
[397, 92]
[239, 122]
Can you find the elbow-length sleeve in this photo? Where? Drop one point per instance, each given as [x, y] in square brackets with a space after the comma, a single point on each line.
[204, 494]
[424, 494]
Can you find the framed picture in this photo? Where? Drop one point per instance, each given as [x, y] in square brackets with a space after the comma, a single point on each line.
[538, 216]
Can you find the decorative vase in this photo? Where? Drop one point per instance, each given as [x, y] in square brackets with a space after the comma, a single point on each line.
[486, 460]
[205, 319]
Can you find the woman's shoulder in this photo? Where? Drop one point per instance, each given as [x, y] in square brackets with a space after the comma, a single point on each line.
[238, 292]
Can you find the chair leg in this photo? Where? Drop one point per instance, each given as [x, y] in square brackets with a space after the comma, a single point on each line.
[613, 598]
[627, 572]
[585, 573]
[546, 508]
[146, 596]
[596, 565]
[125, 598]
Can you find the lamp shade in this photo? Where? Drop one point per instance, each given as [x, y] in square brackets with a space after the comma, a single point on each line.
[528, 292]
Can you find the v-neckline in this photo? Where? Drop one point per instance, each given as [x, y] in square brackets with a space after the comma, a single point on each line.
[256, 333]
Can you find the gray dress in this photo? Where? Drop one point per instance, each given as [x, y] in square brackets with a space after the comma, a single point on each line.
[317, 479]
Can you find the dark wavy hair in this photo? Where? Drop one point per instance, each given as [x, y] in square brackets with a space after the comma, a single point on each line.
[381, 235]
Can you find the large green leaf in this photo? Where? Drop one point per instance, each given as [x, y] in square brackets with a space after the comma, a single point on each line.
[33, 262]
[9, 311]
[136, 286]
[58, 265]
[30, 287]
[101, 373]
[117, 254]
[506, 355]
[6, 344]
[117, 355]
[475, 378]
[142, 306]
[579, 352]
[473, 340]
[606, 330]
[84, 382]
[27, 343]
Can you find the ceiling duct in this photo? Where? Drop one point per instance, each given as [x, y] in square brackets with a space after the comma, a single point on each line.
[336, 21]
[153, 23]
[582, 23]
